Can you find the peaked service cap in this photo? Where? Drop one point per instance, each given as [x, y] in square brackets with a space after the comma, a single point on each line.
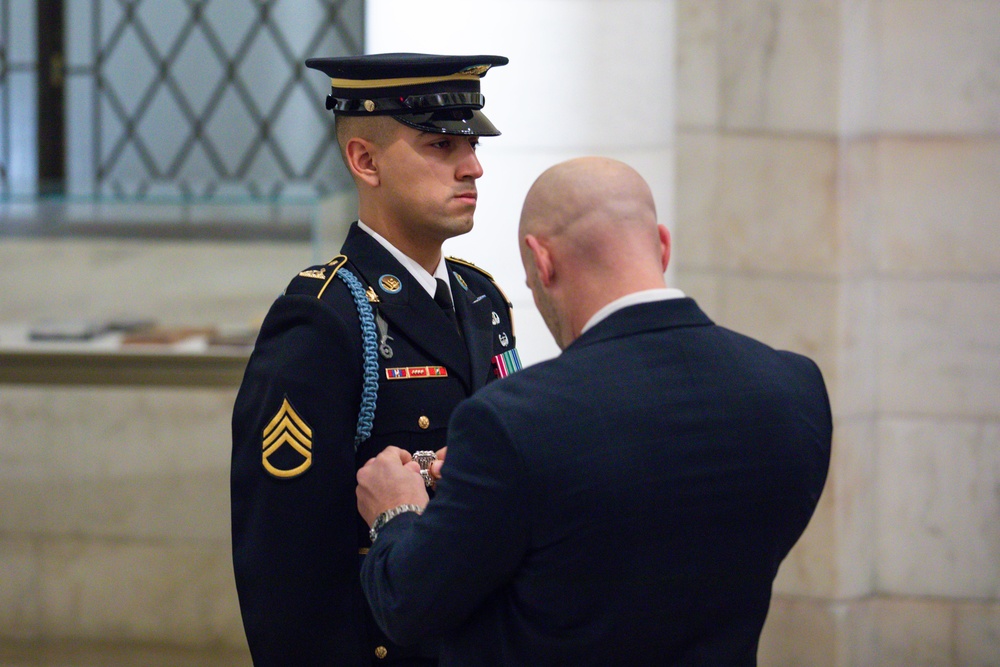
[429, 92]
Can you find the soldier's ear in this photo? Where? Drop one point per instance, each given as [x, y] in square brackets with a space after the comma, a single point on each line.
[361, 160]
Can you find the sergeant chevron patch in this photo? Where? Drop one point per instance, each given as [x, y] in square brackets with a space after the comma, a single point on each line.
[287, 428]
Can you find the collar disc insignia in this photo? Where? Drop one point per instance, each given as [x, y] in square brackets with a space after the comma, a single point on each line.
[390, 283]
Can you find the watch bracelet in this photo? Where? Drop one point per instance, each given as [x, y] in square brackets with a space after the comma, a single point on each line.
[385, 517]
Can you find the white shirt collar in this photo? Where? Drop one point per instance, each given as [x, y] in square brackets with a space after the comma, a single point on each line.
[427, 281]
[635, 298]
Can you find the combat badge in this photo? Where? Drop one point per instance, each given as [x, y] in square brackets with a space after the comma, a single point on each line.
[287, 428]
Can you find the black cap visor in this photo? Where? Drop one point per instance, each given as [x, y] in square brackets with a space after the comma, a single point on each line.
[468, 122]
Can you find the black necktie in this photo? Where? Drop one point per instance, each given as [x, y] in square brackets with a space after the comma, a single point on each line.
[443, 298]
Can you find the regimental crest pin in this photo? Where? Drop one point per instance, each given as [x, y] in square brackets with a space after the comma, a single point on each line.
[461, 281]
[314, 273]
[287, 443]
[390, 283]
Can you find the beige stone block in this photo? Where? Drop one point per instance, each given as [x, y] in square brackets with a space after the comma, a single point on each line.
[910, 632]
[939, 203]
[938, 348]
[835, 557]
[938, 529]
[150, 463]
[757, 203]
[978, 634]
[54, 433]
[173, 593]
[939, 69]
[19, 600]
[697, 63]
[779, 65]
[191, 283]
[791, 314]
[817, 633]
[859, 68]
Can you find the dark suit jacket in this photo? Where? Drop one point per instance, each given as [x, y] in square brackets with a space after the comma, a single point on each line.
[627, 502]
[296, 530]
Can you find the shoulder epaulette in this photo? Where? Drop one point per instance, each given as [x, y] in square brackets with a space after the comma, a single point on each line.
[470, 265]
[331, 267]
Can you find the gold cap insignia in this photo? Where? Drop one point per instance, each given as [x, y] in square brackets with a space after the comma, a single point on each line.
[369, 106]
[287, 428]
[314, 273]
[476, 70]
[390, 283]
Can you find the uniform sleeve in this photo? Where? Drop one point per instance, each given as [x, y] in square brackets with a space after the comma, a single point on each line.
[294, 512]
[425, 575]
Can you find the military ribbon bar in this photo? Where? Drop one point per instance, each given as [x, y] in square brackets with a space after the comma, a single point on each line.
[416, 372]
[506, 363]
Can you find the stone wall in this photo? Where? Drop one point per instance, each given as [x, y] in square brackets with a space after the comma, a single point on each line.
[838, 194]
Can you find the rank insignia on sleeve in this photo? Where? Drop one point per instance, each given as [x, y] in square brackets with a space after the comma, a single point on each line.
[287, 443]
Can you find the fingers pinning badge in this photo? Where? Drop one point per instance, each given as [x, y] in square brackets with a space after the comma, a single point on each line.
[424, 459]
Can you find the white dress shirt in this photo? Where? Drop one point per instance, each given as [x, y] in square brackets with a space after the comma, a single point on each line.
[419, 273]
[635, 298]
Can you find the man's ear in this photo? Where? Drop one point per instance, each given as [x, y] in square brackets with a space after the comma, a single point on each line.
[360, 156]
[664, 246]
[542, 258]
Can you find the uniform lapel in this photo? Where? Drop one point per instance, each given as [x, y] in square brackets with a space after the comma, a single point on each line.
[410, 310]
[475, 317]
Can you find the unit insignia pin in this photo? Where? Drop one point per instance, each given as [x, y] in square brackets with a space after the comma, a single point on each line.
[461, 281]
[390, 283]
[496, 318]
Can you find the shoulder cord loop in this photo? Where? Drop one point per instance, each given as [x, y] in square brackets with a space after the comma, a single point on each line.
[369, 356]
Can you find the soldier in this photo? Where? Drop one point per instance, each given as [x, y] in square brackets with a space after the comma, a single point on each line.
[374, 348]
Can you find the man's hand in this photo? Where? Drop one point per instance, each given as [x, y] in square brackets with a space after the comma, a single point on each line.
[436, 466]
[390, 479]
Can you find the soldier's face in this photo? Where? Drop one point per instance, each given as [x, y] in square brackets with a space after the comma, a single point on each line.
[428, 182]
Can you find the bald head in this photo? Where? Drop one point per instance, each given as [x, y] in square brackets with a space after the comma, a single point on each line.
[588, 235]
[595, 206]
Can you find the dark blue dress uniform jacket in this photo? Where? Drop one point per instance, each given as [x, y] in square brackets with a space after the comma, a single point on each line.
[627, 503]
[296, 530]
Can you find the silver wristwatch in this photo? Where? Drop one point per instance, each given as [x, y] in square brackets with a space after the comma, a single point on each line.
[386, 516]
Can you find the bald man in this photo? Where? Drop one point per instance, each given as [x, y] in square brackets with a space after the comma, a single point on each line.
[626, 503]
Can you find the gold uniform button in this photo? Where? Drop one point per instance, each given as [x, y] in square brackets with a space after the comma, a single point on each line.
[424, 423]
[381, 652]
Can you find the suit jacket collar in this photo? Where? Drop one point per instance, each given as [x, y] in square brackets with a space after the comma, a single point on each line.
[668, 314]
[410, 309]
